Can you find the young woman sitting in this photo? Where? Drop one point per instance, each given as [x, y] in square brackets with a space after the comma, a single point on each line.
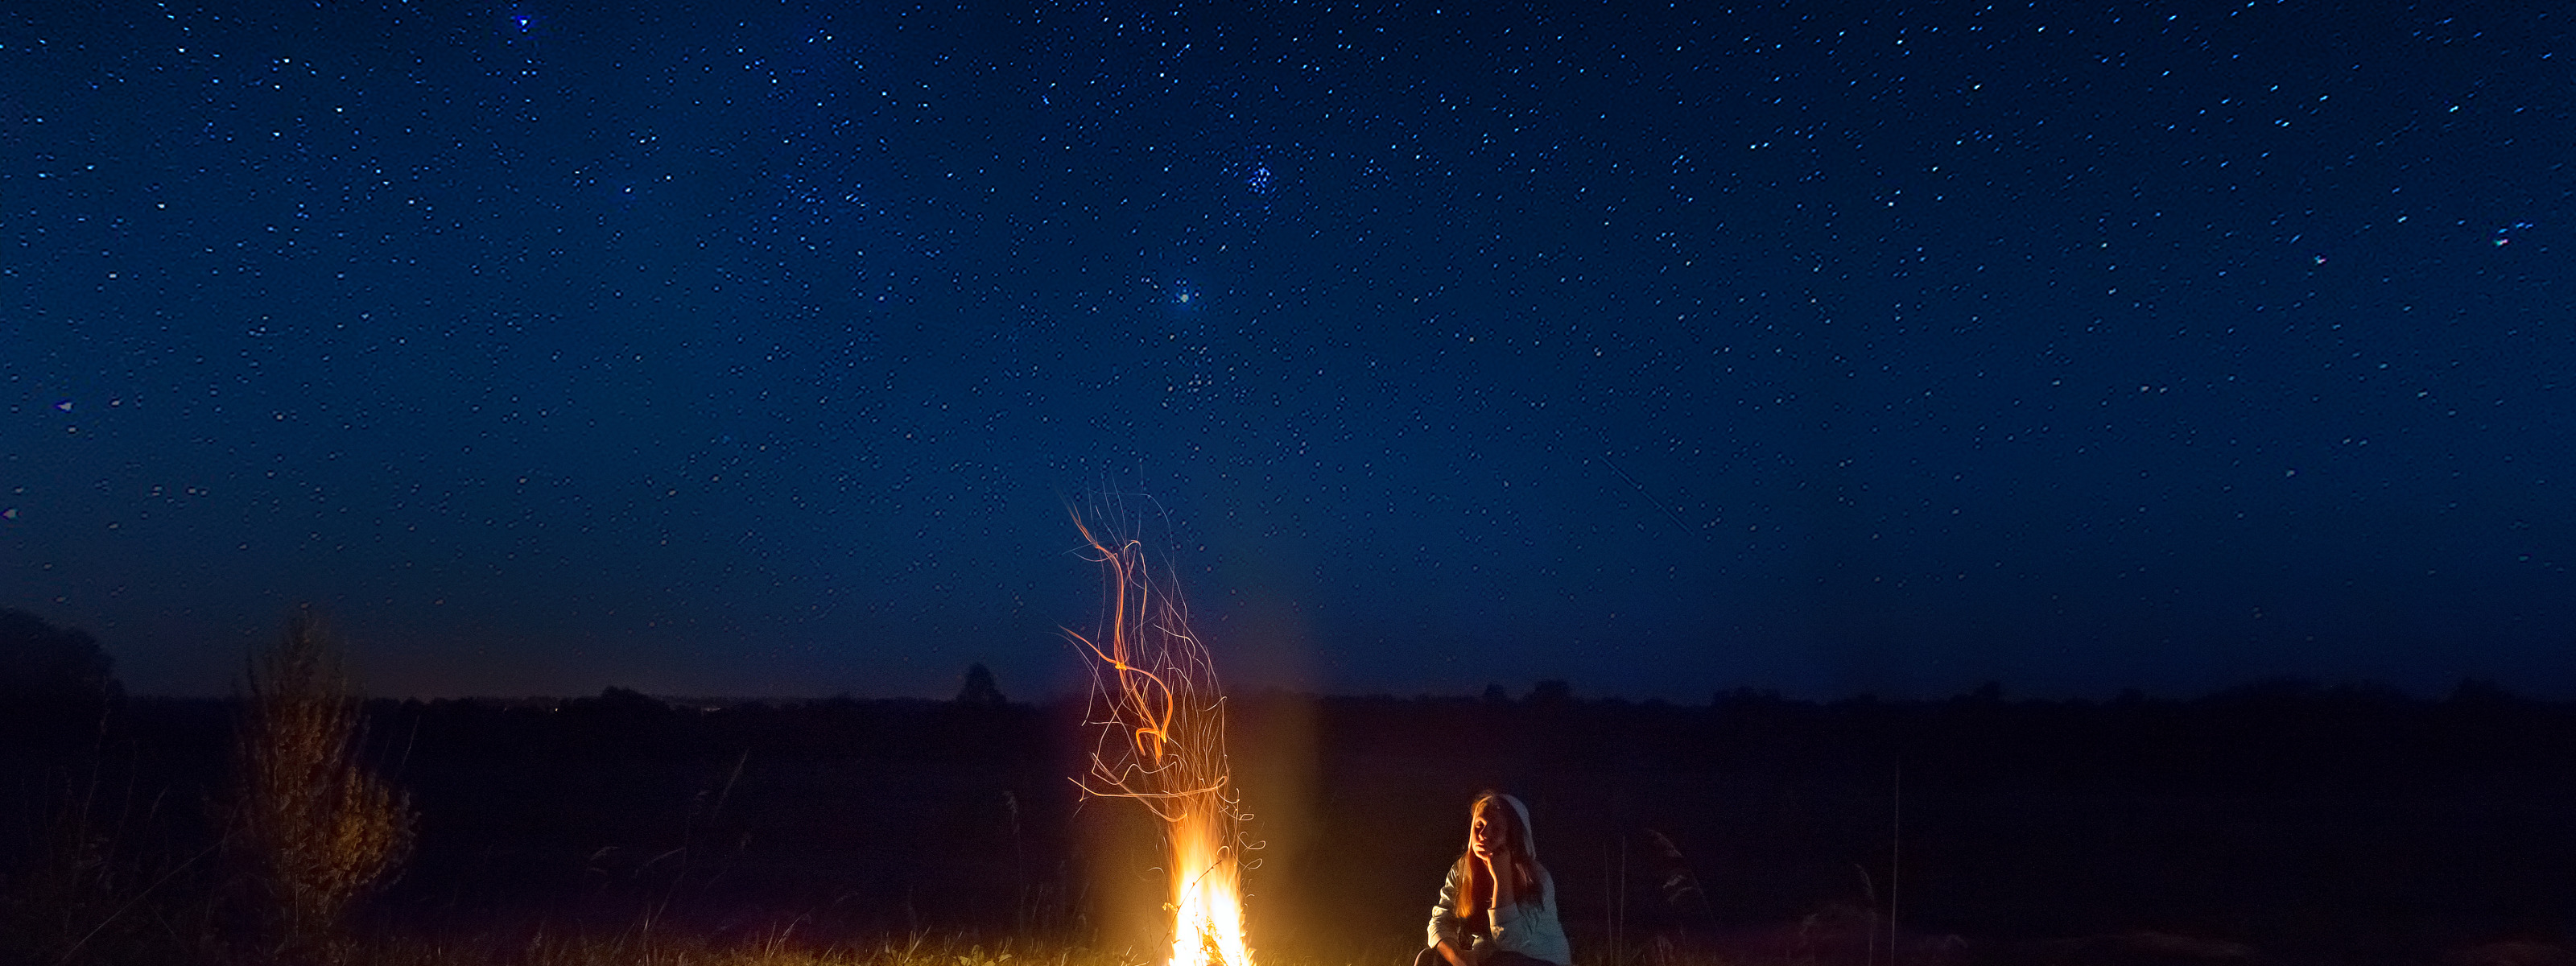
[1498, 907]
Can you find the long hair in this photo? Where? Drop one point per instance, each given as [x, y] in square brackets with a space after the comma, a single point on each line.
[1521, 853]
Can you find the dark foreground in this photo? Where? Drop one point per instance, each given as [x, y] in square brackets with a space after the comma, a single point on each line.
[2280, 824]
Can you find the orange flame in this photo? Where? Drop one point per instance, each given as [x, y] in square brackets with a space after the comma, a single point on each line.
[1161, 715]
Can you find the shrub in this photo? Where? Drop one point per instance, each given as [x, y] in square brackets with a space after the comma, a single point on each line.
[309, 830]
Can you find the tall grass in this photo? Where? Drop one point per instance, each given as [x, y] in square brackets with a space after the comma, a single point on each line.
[779, 947]
[102, 879]
[308, 830]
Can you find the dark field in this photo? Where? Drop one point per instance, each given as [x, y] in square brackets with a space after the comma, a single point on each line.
[2278, 823]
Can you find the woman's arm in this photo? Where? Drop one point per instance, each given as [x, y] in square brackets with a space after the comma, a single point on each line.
[1446, 932]
[1506, 882]
[1530, 928]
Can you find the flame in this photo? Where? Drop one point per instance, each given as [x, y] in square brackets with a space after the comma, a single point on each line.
[1207, 906]
[1161, 718]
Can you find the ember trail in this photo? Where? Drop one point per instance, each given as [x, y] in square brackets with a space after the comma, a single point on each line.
[1159, 713]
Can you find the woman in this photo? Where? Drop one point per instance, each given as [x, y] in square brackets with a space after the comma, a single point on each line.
[1498, 907]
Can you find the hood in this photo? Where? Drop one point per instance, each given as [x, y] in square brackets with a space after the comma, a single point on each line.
[1529, 835]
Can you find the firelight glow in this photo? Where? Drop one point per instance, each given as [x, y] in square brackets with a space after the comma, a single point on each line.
[1161, 718]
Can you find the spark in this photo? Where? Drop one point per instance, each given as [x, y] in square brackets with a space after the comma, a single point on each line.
[1160, 715]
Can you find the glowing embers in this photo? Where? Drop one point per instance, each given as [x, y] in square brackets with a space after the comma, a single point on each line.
[1160, 715]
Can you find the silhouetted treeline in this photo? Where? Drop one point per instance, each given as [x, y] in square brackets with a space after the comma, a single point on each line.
[2276, 813]
[2272, 735]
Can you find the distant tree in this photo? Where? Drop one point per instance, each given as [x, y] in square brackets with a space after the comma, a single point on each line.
[622, 701]
[46, 664]
[2480, 692]
[1746, 696]
[1551, 694]
[1494, 694]
[980, 691]
[2269, 691]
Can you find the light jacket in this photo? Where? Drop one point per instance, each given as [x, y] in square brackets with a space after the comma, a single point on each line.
[1528, 927]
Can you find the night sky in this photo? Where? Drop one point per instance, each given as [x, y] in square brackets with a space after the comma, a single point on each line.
[758, 349]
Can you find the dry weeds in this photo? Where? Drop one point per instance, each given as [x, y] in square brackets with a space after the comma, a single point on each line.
[309, 829]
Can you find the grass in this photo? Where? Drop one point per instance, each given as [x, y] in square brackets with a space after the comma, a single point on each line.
[777, 947]
[780, 947]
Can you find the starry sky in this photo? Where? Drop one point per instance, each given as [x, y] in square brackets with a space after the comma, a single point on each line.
[759, 349]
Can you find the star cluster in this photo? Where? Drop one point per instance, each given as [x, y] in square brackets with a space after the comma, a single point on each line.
[1829, 348]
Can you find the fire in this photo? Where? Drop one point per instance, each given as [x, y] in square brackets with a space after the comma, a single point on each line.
[1161, 719]
[1207, 904]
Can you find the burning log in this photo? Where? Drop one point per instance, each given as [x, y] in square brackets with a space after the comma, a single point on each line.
[1160, 716]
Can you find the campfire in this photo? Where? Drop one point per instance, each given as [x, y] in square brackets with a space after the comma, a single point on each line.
[1160, 717]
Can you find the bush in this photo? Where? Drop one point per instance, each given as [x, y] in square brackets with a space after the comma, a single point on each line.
[309, 830]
